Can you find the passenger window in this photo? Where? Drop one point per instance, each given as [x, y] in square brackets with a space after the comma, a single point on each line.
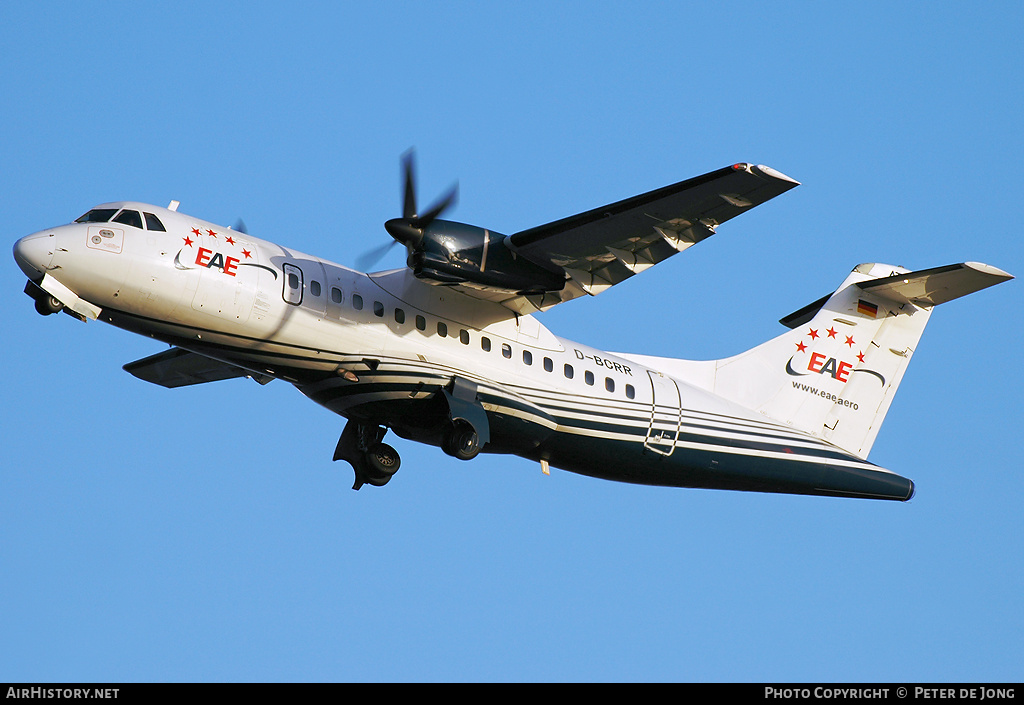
[464, 337]
[127, 217]
[378, 309]
[527, 357]
[421, 323]
[336, 296]
[442, 329]
[568, 371]
[506, 350]
[399, 316]
[153, 223]
[357, 302]
[314, 287]
[630, 392]
[588, 377]
[292, 284]
[609, 384]
[548, 365]
[485, 344]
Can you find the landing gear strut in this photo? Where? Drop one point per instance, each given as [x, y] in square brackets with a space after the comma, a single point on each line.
[373, 462]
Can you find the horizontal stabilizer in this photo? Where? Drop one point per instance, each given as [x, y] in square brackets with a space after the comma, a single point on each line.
[181, 368]
[930, 287]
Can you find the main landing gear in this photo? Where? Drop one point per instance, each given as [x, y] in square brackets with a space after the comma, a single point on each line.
[461, 440]
[454, 416]
[374, 462]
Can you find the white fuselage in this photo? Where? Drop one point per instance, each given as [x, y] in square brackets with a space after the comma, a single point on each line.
[373, 346]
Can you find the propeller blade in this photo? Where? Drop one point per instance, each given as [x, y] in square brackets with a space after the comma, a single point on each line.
[371, 257]
[240, 227]
[409, 189]
[440, 207]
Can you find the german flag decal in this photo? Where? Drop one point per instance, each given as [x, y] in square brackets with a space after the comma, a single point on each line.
[867, 308]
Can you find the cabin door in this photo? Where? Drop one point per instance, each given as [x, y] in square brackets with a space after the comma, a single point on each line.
[666, 414]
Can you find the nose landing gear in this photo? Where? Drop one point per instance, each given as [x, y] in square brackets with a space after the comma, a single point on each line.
[46, 303]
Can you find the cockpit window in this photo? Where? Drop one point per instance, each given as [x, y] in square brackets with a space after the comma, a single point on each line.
[128, 217]
[153, 223]
[97, 215]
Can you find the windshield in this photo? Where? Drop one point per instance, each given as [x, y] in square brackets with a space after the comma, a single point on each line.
[126, 217]
[97, 215]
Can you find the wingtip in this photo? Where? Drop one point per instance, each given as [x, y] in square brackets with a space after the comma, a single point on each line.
[989, 269]
[775, 174]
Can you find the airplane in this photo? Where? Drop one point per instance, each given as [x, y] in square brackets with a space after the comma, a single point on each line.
[449, 350]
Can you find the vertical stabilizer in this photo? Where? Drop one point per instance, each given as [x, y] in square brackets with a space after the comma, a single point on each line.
[835, 373]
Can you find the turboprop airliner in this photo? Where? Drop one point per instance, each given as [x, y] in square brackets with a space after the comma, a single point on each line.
[450, 351]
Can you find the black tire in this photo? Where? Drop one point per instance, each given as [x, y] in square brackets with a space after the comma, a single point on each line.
[461, 441]
[45, 305]
[383, 460]
[378, 480]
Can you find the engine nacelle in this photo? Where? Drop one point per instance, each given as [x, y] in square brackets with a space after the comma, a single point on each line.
[456, 253]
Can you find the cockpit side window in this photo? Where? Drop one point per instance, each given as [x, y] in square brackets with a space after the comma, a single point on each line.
[128, 217]
[153, 223]
[97, 215]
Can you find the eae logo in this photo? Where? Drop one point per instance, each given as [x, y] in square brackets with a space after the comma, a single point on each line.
[837, 369]
[209, 258]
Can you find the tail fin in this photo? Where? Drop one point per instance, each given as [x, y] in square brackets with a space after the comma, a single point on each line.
[835, 374]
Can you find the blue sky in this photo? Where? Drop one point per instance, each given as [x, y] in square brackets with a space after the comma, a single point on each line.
[204, 534]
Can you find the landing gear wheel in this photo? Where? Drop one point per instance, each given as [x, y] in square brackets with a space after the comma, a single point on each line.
[45, 305]
[377, 480]
[383, 459]
[461, 441]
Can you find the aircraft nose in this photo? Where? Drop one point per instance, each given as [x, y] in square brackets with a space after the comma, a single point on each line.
[33, 254]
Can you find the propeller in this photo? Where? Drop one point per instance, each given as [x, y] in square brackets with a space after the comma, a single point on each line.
[408, 229]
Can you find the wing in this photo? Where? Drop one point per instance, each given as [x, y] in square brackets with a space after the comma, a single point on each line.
[181, 368]
[602, 247]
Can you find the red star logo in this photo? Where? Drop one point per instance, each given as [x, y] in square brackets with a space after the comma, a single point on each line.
[860, 357]
[188, 241]
[247, 254]
[813, 334]
[849, 341]
[800, 346]
[230, 240]
[211, 233]
[195, 231]
[831, 333]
